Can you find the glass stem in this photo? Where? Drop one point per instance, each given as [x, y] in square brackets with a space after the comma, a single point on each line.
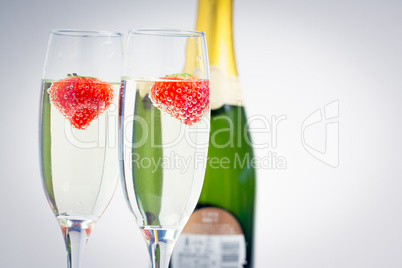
[160, 245]
[75, 233]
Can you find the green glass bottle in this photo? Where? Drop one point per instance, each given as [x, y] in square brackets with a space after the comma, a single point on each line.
[220, 231]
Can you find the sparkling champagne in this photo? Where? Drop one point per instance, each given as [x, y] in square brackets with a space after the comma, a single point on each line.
[220, 231]
[79, 166]
[163, 159]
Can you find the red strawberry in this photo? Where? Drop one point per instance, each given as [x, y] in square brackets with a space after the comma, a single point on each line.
[146, 234]
[81, 99]
[183, 96]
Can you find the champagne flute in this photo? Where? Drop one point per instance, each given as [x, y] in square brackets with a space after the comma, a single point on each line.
[78, 130]
[163, 132]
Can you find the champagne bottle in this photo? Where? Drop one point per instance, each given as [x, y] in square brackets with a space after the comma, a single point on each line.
[220, 231]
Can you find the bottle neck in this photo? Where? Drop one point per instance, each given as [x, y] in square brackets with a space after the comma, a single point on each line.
[215, 19]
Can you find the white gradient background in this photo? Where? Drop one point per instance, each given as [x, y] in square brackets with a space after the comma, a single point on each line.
[293, 58]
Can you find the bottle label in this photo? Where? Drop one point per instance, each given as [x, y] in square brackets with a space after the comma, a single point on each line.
[212, 238]
[224, 89]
